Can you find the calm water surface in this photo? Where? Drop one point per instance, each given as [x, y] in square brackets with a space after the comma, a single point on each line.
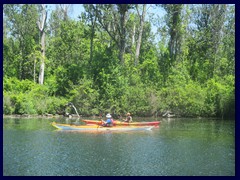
[188, 147]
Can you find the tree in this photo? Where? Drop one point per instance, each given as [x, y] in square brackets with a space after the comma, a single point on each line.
[21, 36]
[142, 19]
[206, 39]
[123, 9]
[113, 19]
[65, 9]
[92, 17]
[42, 25]
[227, 56]
[174, 23]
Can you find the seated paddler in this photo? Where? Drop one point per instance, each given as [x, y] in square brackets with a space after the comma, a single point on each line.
[109, 121]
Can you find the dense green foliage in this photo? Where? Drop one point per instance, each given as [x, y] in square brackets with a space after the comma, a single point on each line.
[189, 70]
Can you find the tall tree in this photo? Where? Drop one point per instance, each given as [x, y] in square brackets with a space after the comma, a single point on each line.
[174, 23]
[142, 19]
[21, 32]
[228, 40]
[42, 25]
[218, 18]
[206, 40]
[92, 17]
[113, 19]
[65, 9]
[123, 9]
[133, 34]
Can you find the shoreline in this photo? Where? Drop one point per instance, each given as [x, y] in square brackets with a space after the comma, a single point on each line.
[31, 116]
[75, 116]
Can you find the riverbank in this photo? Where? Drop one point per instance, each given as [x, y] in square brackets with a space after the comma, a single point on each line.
[31, 116]
[75, 116]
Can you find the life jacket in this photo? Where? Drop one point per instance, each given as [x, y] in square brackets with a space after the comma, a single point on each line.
[109, 121]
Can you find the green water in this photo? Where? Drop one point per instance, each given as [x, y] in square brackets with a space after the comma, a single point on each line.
[179, 147]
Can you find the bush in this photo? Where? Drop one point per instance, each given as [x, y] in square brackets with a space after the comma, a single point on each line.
[220, 94]
[53, 104]
[85, 98]
[8, 108]
[14, 85]
[26, 97]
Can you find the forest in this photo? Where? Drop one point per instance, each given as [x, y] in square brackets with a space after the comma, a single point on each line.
[119, 58]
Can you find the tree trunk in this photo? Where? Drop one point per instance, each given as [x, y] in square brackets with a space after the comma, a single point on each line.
[34, 68]
[122, 50]
[218, 19]
[42, 65]
[142, 19]
[93, 21]
[133, 41]
[114, 23]
[65, 9]
[41, 26]
[123, 8]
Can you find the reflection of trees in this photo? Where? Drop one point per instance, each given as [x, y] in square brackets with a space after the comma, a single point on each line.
[205, 129]
[27, 123]
[16, 121]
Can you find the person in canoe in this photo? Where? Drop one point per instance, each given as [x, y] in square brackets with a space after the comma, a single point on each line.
[129, 118]
[109, 121]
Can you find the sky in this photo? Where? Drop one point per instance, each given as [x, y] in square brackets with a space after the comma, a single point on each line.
[78, 8]
[73, 13]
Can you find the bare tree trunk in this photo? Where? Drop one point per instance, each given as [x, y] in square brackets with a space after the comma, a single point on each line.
[41, 25]
[219, 17]
[93, 21]
[34, 69]
[133, 41]
[142, 19]
[42, 65]
[123, 9]
[122, 50]
[65, 9]
[133, 35]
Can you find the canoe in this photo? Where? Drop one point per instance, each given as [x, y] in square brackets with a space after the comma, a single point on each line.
[120, 123]
[99, 128]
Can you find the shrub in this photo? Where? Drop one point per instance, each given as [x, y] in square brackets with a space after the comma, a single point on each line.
[85, 98]
[8, 108]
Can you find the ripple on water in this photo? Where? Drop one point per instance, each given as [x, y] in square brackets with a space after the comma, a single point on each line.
[176, 148]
